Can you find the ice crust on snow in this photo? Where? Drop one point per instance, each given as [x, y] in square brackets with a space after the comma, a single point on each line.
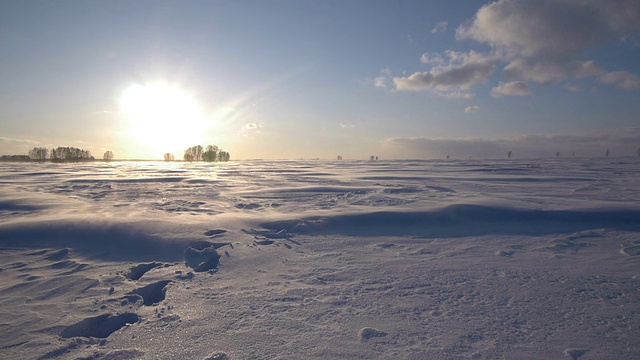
[293, 259]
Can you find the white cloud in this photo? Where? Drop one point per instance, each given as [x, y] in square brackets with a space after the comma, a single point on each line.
[583, 69]
[457, 95]
[572, 88]
[16, 141]
[380, 82]
[472, 109]
[557, 28]
[514, 88]
[346, 126]
[440, 27]
[545, 72]
[250, 130]
[540, 72]
[622, 79]
[463, 71]
[540, 39]
[434, 59]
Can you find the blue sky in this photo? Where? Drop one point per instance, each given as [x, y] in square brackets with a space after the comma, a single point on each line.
[307, 79]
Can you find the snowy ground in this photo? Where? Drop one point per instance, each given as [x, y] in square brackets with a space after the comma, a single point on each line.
[505, 259]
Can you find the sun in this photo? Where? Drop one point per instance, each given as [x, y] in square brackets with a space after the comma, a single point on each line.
[162, 117]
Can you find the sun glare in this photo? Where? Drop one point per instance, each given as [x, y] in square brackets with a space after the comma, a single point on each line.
[162, 117]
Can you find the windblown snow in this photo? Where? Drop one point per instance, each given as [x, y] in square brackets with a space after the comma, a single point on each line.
[460, 259]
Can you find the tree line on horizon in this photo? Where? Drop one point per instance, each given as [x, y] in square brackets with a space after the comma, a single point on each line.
[210, 153]
[58, 154]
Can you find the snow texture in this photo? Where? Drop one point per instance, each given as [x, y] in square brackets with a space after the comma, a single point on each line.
[460, 259]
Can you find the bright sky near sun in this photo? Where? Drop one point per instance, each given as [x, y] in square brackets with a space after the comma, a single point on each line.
[307, 79]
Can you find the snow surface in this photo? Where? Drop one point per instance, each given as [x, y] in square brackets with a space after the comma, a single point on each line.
[503, 259]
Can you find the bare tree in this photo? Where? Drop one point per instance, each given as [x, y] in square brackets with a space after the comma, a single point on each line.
[198, 152]
[70, 154]
[509, 153]
[38, 153]
[189, 155]
[224, 156]
[169, 157]
[210, 154]
[108, 155]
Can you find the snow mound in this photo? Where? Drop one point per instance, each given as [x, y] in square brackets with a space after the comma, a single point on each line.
[461, 221]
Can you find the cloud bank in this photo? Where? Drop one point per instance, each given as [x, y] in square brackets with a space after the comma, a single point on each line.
[452, 73]
[542, 41]
[622, 143]
[550, 28]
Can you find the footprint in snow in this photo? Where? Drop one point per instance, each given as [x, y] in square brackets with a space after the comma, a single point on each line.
[368, 333]
[214, 232]
[575, 353]
[136, 272]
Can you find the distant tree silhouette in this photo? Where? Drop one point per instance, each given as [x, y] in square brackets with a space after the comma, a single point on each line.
[20, 158]
[372, 157]
[224, 156]
[638, 151]
[607, 153]
[509, 153]
[557, 154]
[108, 155]
[188, 155]
[38, 153]
[70, 154]
[339, 157]
[210, 154]
[198, 152]
[169, 157]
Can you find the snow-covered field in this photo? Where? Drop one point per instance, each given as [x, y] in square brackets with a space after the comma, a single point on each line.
[503, 259]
